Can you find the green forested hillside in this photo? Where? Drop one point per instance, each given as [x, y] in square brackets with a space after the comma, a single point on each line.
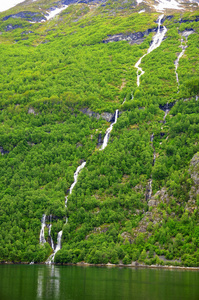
[136, 200]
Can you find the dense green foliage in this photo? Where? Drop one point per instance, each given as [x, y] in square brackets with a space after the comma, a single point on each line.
[47, 76]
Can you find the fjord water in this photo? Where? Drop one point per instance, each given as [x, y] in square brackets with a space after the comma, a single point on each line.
[49, 282]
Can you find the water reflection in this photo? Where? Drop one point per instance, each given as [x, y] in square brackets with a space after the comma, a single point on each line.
[48, 282]
[44, 282]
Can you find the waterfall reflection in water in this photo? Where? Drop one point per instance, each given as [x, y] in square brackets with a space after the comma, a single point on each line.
[48, 282]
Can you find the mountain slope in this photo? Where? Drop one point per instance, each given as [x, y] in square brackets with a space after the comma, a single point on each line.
[62, 81]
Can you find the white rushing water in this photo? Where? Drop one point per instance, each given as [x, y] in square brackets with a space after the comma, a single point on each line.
[156, 42]
[43, 224]
[57, 248]
[176, 63]
[59, 235]
[167, 110]
[51, 240]
[75, 180]
[108, 131]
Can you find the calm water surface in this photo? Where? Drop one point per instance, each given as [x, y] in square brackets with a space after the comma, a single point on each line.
[28, 282]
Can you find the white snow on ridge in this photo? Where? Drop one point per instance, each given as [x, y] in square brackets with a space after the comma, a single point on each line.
[139, 1]
[5, 5]
[55, 12]
[167, 4]
[141, 11]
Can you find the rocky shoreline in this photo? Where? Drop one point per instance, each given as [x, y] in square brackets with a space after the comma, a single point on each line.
[132, 265]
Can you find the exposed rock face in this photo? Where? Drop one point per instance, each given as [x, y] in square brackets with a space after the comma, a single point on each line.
[194, 172]
[102, 229]
[2, 151]
[12, 27]
[160, 196]
[187, 32]
[109, 117]
[31, 111]
[126, 235]
[167, 106]
[27, 15]
[194, 169]
[196, 19]
[136, 37]
[67, 2]
[100, 140]
[26, 32]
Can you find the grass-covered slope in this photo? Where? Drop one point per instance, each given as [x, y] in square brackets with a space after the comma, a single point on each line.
[50, 73]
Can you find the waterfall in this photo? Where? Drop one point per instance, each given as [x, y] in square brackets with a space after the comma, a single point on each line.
[108, 131]
[75, 180]
[49, 234]
[43, 224]
[59, 235]
[124, 101]
[57, 248]
[167, 110]
[176, 63]
[156, 42]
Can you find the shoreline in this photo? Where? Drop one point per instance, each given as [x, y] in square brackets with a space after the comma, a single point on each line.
[108, 265]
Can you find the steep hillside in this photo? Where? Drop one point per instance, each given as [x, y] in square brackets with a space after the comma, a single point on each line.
[99, 132]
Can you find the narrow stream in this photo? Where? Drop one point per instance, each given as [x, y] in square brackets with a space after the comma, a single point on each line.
[43, 224]
[59, 235]
[75, 180]
[78, 170]
[108, 131]
[176, 63]
[156, 42]
[49, 233]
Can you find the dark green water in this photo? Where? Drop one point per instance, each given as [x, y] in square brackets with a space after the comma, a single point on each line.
[28, 282]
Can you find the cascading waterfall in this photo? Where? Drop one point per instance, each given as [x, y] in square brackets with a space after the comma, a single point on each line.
[108, 131]
[79, 168]
[51, 240]
[156, 42]
[43, 225]
[49, 233]
[176, 63]
[75, 180]
[167, 110]
[59, 235]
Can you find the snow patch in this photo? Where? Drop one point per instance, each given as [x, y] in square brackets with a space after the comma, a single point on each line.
[5, 5]
[167, 4]
[141, 11]
[55, 12]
